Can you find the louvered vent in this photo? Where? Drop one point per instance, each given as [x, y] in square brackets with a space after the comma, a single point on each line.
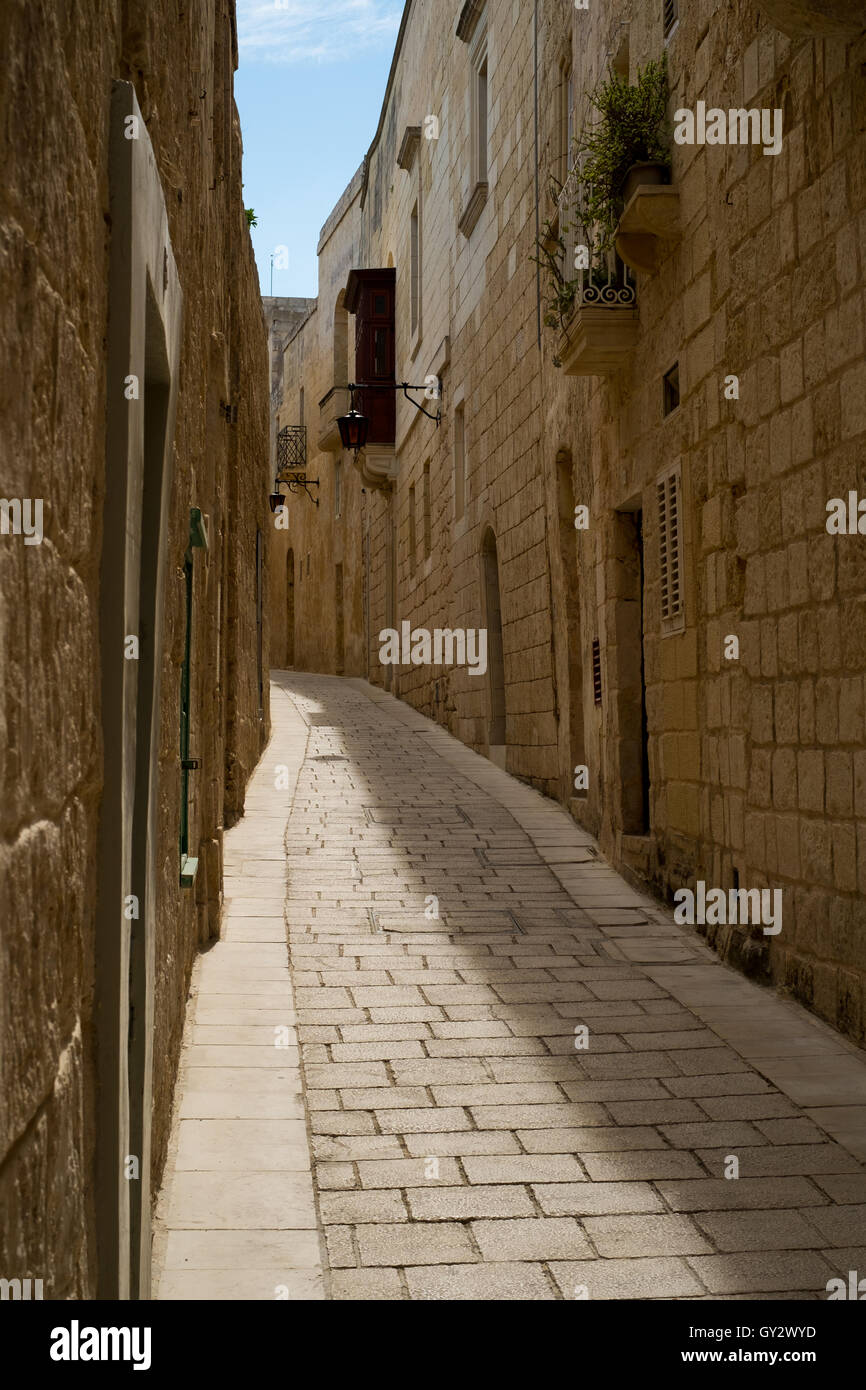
[671, 15]
[670, 551]
[596, 670]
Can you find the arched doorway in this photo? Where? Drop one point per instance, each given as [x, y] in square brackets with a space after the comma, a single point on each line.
[496, 719]
[290, 609]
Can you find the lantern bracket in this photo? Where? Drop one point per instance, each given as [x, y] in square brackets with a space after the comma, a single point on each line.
[403, 386]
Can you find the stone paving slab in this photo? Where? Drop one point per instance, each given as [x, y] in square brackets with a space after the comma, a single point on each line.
[518, 1165]
[512, 1076]
[237, 1217]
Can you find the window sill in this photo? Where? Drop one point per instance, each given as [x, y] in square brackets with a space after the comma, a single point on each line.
[473, 209]
[188, 871]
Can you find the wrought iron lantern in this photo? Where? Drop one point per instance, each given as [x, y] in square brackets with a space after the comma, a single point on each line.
[353, 430]
[353, 427]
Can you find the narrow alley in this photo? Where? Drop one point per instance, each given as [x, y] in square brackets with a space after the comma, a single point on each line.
[511, 1075]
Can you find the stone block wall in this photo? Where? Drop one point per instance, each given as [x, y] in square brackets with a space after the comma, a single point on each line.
[752, 760]
[55, 239]
[743, 771]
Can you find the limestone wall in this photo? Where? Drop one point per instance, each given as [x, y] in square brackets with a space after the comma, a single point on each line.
[754, 763]
[55, 238]
[751, 761]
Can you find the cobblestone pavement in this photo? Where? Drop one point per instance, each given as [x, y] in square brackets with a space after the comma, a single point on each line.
[466, 1144]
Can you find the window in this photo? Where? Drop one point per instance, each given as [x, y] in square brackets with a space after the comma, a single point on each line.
[668, 488]
[301, 406]
[412, 537]
[564, 221]
[566, 116]
[459, 463]
[479, 120]
[185, 721]
[188, 764]
[596, 671]
[671, 14]
[341, 342]
[671, 389]
[370, 297]
[428, 520]
[415, 270]
[338, 487]
[380, 352]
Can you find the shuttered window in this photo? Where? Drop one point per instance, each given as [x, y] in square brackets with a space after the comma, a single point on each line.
[671, 15]
[668, 497]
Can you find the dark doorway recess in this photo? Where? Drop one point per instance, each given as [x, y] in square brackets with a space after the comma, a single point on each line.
[630, 693]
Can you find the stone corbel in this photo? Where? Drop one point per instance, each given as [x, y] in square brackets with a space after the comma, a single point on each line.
[472, 211]
[409, 147]
[468, 21]
[651, 216]
[377, 466]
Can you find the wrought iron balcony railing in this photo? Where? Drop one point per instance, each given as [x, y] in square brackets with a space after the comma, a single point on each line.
[600, 278]
[291, 448]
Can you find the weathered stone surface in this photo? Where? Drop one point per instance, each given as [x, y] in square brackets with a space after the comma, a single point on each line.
[754, 762]
[55, 244]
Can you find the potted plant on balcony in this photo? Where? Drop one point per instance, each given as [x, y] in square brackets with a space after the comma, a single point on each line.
[627, 148]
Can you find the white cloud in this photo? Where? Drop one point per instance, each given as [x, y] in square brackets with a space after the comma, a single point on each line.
[297, 31]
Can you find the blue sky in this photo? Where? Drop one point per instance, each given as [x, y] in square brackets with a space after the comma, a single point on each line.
[309, 90]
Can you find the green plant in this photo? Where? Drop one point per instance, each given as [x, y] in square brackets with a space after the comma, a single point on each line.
[252, 220]
[631, 131]
[550, 256]
[560, 289]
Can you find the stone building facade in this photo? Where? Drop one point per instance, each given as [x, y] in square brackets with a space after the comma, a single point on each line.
[133, 691]
[704, 426]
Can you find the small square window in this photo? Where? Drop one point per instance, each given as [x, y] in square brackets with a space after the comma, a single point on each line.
[671, 389]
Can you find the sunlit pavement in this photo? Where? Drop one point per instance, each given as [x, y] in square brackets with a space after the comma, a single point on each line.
[510, 1075]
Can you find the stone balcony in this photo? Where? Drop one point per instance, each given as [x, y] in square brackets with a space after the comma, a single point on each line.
[652, 216]
[604, 326]
[377, 465]
[331, 407]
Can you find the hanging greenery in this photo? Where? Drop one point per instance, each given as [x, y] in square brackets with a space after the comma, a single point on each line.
[632, 130]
